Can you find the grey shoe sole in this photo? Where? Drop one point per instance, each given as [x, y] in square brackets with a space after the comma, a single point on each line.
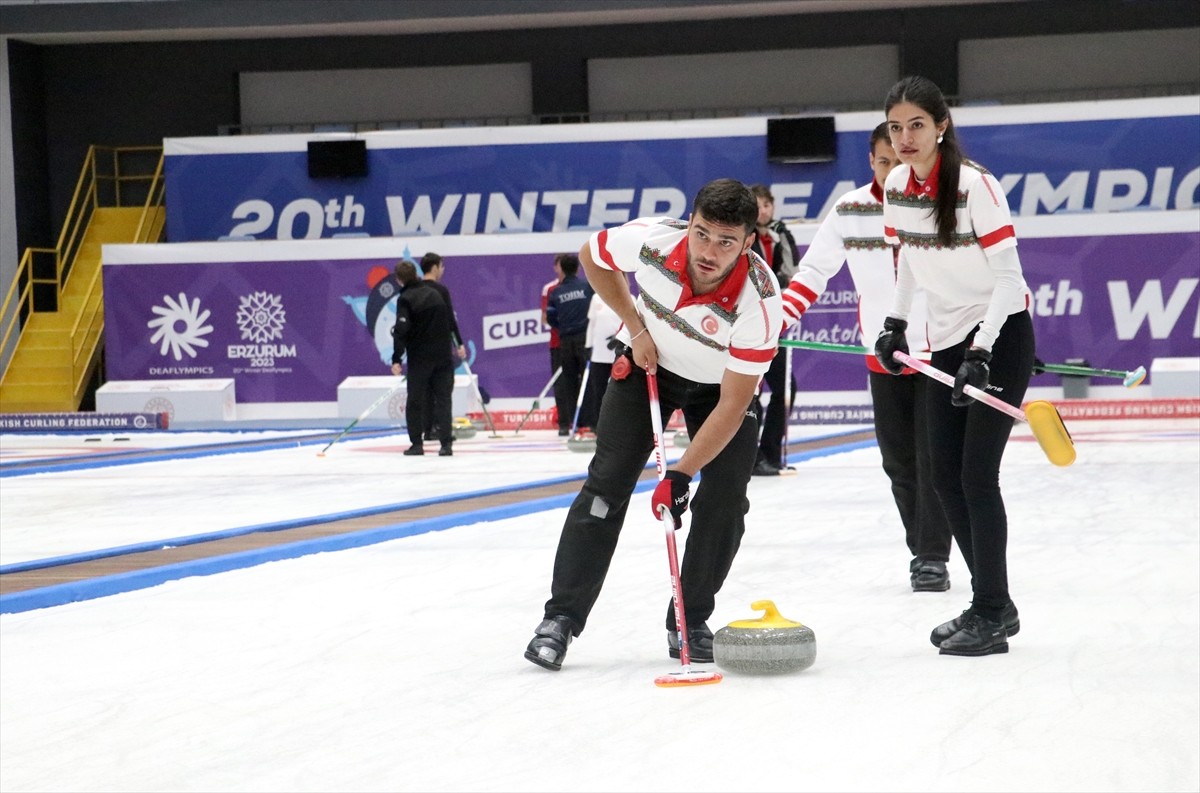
[991, 649]
[551, 660]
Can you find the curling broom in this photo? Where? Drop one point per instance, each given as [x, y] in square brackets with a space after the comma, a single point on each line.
[1041, 416]
[540, 396]
[370, 409]
[575, 442]
[479, 395]
[686, 676]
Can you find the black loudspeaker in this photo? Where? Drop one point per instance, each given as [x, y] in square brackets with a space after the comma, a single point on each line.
[337, 159]
[801, 139]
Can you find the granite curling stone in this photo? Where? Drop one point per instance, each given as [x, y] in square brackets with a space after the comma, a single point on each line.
[582, 441]
[768, 645]
[463, 428]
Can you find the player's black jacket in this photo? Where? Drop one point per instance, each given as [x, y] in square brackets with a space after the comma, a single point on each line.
[422, 326]
[567, 308]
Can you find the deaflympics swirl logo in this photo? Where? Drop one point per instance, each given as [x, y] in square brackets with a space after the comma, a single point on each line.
[180, 327]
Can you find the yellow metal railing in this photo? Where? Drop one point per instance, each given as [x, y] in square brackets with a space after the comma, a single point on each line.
[149, 223]
[89, 325]
[85, 335]
[103, 182]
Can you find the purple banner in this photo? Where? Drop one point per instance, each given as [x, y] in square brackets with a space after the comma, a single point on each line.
[292, 328]
[282, 330]
[1118, 302]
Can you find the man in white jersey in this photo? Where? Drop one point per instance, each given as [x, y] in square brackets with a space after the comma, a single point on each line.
[853, 233]
[706, 322]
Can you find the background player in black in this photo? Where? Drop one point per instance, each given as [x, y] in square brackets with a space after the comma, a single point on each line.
[423, 332]
[775, 244]
[567, 311]
[434, 267]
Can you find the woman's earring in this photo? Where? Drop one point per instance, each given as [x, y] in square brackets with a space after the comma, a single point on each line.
[939, 139]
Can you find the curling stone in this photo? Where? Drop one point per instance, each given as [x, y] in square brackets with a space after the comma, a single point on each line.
[682, 439]
[463, 428]
[768, 645]
[582, 441]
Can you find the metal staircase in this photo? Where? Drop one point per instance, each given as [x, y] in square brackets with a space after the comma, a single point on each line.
[53, 314]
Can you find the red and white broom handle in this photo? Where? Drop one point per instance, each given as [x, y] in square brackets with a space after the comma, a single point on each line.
[587, 370]
[969, 390]
[664, 515]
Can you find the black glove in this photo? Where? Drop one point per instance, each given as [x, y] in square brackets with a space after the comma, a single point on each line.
[972, 371]
[891, 339]
[672, 493]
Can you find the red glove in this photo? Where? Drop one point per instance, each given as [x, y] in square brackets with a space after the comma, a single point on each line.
[672, 494]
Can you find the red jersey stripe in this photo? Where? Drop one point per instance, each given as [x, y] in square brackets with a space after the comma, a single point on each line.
[606, 258]
[802, 291]
[754, 356]
[1000, 234]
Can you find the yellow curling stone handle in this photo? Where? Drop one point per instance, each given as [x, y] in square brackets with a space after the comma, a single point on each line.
[771, 619]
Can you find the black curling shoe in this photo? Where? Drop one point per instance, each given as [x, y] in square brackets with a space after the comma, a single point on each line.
[549, 644]
[930, 577]
[1009, 617]
[978, 636]
[700, 644]
[764, 468]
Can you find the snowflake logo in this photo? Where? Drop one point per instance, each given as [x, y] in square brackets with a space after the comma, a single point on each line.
[180, 327]
[397, 405]
[161, 405]
[260, 317]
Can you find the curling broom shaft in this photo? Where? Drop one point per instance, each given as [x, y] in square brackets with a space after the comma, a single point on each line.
[1131, 378]
[479, 395]
[370, 409]
[536, 401]
[822, 346]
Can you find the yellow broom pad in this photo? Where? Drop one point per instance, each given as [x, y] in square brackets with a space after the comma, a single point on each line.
[1051, 433]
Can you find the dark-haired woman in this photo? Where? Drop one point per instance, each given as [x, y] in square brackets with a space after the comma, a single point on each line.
[952, 223]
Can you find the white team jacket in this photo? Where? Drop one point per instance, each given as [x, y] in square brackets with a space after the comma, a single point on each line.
[852, 232]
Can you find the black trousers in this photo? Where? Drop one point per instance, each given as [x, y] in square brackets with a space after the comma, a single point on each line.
[430, 389]
[573, 358]
[901, 419]
[968, 444]
[624, 441]
[774, 422]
